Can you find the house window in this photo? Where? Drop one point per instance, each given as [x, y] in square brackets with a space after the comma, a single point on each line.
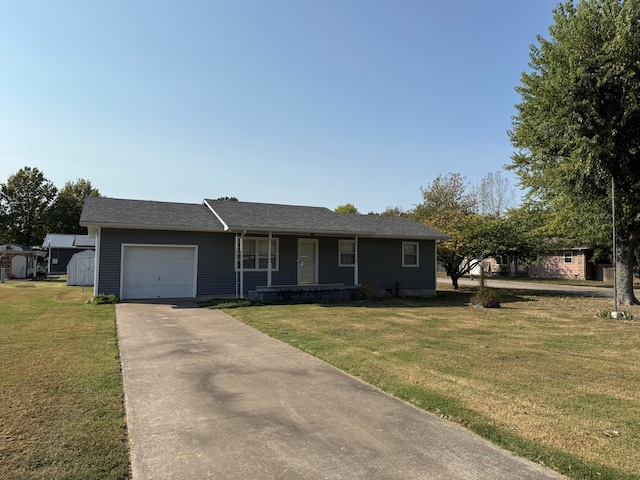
[500, 260]
[255, 254]
[410, 252]
[568, 257]
[347, 253]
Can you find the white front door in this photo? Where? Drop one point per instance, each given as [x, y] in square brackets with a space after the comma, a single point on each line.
[307, 261]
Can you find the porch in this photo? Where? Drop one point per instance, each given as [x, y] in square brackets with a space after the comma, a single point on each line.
[306, 293]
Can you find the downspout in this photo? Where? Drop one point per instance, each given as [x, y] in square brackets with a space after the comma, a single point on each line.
[269, 261]
[356, 280]
[435, 265]
[236, 253]
[96, 260]
[242, 263]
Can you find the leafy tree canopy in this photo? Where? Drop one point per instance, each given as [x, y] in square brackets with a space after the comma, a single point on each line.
[346, 208]
[24, 202]
[65, 212]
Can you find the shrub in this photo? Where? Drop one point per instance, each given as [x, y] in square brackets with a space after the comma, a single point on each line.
[103, 298]
[367, 292]
[485, 296]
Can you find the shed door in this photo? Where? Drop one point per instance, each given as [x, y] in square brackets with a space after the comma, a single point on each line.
[158, 271]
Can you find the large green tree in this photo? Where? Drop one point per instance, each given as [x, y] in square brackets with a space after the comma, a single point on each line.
[577, 126]
[64, 214]
[25, 200]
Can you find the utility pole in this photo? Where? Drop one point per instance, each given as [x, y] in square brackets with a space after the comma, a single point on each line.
[614, 314]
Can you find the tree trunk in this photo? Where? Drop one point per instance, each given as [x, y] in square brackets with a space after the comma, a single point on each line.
[454, 281]
[624, 271]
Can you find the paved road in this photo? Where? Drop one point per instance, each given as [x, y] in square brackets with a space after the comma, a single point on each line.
[541, 287]
[209, 397]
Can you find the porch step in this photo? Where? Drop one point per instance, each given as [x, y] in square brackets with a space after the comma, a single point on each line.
[326, 293]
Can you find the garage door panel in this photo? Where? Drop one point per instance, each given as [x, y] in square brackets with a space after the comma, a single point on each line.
[158, 272]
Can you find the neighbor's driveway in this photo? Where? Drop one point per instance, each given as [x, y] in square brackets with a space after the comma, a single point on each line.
[209, 397]
[533, 285]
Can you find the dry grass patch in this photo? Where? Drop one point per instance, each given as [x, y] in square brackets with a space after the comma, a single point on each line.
[61, 414]
[544, 375]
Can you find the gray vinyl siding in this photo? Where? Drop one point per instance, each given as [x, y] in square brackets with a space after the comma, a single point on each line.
[288, 265]
[380, 265]
[287, 274]
[380, 261]
[330, 272]
[63, 255]
[215, 257]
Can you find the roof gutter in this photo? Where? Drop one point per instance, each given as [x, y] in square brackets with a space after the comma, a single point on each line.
[298, 231]
[333, 233]
[91, 226]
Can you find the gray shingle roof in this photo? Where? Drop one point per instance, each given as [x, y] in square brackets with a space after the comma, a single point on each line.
[249, 216]
[115, 212]
[241, 216]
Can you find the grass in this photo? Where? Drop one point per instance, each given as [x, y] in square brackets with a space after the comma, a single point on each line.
[544, 376]
[62, 412]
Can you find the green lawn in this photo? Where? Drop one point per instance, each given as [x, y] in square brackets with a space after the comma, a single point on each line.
[544, 376]
[61, 408]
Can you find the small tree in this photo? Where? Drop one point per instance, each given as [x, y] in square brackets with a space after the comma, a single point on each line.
[346, 208]
[393, 212]
[449, 206]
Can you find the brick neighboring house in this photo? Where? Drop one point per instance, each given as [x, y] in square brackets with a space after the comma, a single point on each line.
[567, 263]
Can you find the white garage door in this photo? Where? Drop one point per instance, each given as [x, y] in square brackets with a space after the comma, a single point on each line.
[158, 271]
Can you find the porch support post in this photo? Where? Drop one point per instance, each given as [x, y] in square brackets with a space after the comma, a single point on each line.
[269, 261]
[356, 280]
[242, 265]
[236, 253]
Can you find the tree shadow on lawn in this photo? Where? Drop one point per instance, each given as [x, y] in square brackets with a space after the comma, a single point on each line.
[443, 298]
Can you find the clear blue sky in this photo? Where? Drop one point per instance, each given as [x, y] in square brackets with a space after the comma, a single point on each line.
[304, 102]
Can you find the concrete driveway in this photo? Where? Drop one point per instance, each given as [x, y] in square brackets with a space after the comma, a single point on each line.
[209, 397]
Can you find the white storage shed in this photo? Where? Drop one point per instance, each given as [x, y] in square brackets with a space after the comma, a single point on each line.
[80, 268]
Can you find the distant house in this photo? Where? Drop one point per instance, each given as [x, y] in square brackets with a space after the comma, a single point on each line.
[149, 249]
[61, 247]
[568, 263]
[499, 265]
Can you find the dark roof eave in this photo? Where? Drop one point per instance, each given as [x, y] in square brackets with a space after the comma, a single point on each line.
[137, 226]
[334, 233]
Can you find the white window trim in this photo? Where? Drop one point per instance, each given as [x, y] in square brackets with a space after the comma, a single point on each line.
[276, 252]
[569, 255]
[417, 244]
[340, 243]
